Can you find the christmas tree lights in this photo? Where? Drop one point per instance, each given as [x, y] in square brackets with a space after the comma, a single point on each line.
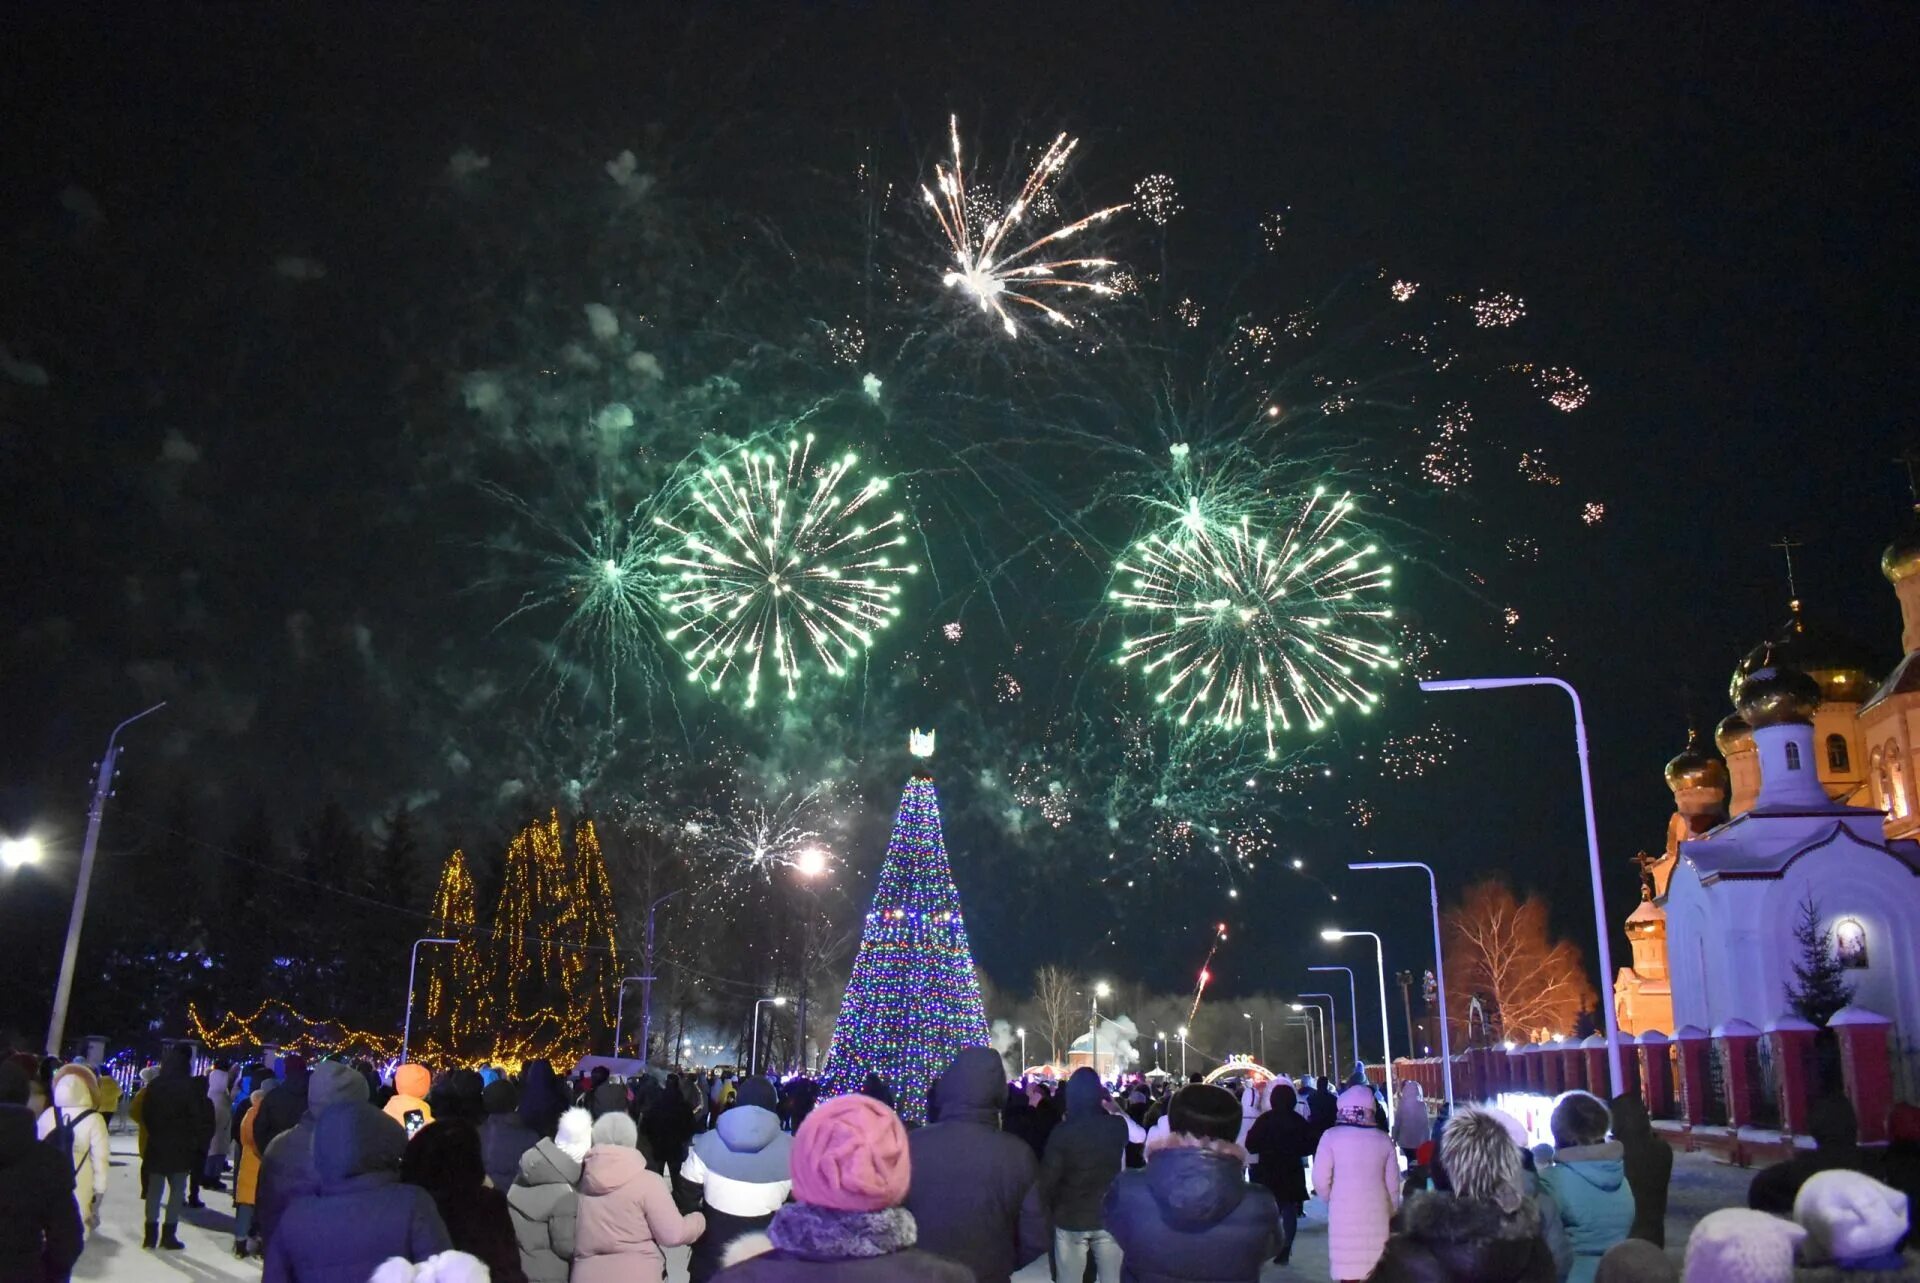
[913, 999]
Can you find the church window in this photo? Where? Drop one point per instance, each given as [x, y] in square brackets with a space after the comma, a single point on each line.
[1837, 753]
[1793, 757]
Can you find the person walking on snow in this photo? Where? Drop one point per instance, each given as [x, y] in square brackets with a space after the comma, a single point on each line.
[74, 1093]
[1356, 1172]
[176, 1144]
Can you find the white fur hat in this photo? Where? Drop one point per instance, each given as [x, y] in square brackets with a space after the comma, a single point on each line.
[1735, 1245]
[1849, 1217]
[575, 1134]
[447, 1267]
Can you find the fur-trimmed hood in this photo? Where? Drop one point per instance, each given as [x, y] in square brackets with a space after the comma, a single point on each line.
[1468, 1238]
[1195, 1181]
[825, 1234]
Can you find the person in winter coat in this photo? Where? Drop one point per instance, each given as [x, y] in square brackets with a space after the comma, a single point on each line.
[545, 1199]
[287, 1169]
[74, 1096]
[1486, 1231]
[1323, 1107]
[246, 1179]
[443, 1158]
[852, 1168]
[287, 1104]
[1190, 1214]
[1854, 1227]
[1356, 1172]
[1411, 1127]
[741, 1169]
[361, 1214]
[1588, 1182]
[1281, 1142]
[458, 1094]
[876, 1087]
[542, 1100]
[176, 1143]
[220, 1094]
[1649, 1166]
[972, 1193]
[408, 1105]
[504, 1136]
[1084, 1155]
[667, 1126]
[207, 1123]
[40, 1232]
[626, 1214]
[1835, 1129]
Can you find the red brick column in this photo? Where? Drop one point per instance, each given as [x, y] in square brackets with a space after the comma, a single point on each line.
[1866, 1068]
[1790, 1039]
[1737, 1043]
[1629, 1064]
[1656, 1073]
[1695, 1048]
[1553, 1068]
[1593, 1055]
[1526, 1074]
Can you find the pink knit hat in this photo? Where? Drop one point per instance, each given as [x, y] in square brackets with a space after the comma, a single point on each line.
[851, 1155]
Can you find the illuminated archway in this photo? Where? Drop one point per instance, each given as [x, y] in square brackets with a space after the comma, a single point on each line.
[1241, 1067]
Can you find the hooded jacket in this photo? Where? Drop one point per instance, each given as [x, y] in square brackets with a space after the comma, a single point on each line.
[176, 1134]
[626, 1216]
[1649, 1167]
[40, 1234]
[1411, 1126]
[544, 1203]
[1281, 1141]
[1191, 1215]
[1357, 1171]
[1083, 1155]
[1589, 1185]
[742, 1167]
[504, 1136]
[972, 1191]
[1835, 1129]
[73, 1096]
[411, 1083]
[286, 1170]
[361, 1215]
[1465, 1240]
[808, 1244]
[541, 1099]
[286, 1106]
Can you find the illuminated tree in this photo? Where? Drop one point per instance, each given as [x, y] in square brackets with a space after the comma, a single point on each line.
[1499, 950]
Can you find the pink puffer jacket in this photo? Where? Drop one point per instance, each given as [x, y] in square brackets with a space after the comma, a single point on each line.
[1357, 1171]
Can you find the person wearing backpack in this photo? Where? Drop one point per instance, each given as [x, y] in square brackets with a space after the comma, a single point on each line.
[73, 1127]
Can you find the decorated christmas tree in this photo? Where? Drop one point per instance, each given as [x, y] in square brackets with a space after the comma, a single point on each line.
[913, 1000]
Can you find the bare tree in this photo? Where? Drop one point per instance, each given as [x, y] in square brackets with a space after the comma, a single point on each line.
[1056, 993]
[1499, 949]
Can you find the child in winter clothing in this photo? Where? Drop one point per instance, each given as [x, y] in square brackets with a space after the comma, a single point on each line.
[74, 1094]
[545, 1198]
[1588, 1182]
[1356, 1171]
[626, 1213]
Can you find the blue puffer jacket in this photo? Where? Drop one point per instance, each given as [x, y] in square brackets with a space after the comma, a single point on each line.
[1191, 1215]
[363, 1214]
[1589, 1185]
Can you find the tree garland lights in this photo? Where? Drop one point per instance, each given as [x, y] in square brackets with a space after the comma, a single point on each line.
[913, 999]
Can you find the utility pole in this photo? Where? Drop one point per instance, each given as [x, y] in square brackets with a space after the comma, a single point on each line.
[70, 956]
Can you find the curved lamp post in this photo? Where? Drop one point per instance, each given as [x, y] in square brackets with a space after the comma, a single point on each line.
[1439, 968]
[1332, 934]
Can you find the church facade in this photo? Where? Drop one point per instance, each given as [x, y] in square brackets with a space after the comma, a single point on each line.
[1814, 798]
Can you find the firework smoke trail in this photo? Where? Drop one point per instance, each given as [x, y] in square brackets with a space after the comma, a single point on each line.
[1206, 971]
[1244, 629]
[995, 275]
[776, 556]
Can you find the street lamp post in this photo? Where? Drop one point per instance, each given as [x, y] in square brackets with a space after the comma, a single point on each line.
[1306, 1026]
[1600, 924]
[1380, 961]
[1332, 1045]
[70, 956]
[753, 1057]
[1319, 1020]
[1353, 1007]
[1021, 1034]
[620, 1009]
[1262, 1025]
[1182, 1032]
[1100, 990]
[646, 988]
[406, 1026]
[1159, 1050]
[1439, 966]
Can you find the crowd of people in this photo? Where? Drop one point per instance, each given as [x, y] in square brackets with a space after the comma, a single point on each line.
[531, 1178]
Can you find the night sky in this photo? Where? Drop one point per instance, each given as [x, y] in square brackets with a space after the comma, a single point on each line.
[1708, 215]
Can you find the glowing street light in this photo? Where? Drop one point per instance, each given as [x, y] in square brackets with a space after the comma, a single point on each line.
[753, 1057]
[1181, 1033]
[18, 853]
[1021, 1034]
[1333, 935]
[1439, 967]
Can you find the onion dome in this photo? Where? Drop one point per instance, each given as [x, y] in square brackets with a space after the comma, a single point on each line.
[1733, 735]
[1778, 695]
[1695, 768]
[1839, 665]
[1901, 560]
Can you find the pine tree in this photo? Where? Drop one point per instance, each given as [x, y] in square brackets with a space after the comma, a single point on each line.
[1819, 986]
[912, 1001]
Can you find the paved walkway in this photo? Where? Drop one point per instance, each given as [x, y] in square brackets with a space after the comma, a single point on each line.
[1701, 1184]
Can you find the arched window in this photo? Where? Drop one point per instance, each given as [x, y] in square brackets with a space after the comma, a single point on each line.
[1837, 753]
[1793, 757]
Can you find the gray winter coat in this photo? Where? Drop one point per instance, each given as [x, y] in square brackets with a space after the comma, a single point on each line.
[545, 1201]
[974, 1193]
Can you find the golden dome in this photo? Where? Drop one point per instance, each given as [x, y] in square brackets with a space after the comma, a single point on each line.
[1733, 735]
[1841, 667]
[1901, 560]
[1695, 768]
[1778, 695]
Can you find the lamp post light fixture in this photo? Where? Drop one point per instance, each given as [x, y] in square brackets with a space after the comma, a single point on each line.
[1353, 1008]
[1100, 990]
[1262, 1025]
[1021, 1034]
[811, 864]
[1332, 1044]
[1182, 1033]
[753, 1057]
[406, 1026]
[18, 853]
[1600, 925]
[1333, 935]
[1439, 966]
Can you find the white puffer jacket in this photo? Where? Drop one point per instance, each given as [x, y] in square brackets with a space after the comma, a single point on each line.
[72, 1097]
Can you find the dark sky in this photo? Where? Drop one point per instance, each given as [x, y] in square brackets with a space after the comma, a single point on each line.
[1708, 213]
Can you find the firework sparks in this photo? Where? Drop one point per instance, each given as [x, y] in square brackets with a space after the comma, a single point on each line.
[1414, 754]
[1533, 466]
[1447, 463]
[1244, 628]
[1593, 513]
[1157, 199]
[1563, 388]
[757, 838]
[777, 557]
[1273, 228]
[997, 267]
[1403, 291]
[1497, 311]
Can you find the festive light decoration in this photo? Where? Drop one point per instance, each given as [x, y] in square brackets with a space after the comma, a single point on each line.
[913, 999]
[1243, 628]
[991, 272]
[777, 554]
[275, 1024]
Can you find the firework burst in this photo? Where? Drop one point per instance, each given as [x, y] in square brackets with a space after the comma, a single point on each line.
[754, 839]
[993, 262]
[781, 561]
[1246, 629]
